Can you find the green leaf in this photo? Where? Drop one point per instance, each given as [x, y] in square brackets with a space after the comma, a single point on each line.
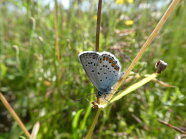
[76, 119]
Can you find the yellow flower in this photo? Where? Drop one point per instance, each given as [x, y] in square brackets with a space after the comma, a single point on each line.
[129, 22]
[130, 1]
[120, 1]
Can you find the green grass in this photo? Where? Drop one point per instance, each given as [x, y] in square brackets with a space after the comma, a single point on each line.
[41, 88]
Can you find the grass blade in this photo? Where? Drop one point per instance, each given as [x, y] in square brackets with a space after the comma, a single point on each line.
[135, 86]
[14, 115]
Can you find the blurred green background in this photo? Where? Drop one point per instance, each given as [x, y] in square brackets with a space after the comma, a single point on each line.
[43, 88]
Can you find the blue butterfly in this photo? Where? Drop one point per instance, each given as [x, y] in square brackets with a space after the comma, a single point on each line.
[103, 69]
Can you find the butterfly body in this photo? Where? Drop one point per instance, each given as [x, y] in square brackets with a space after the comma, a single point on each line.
[103, 69]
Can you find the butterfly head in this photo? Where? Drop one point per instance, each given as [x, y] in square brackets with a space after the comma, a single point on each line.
[103, 92]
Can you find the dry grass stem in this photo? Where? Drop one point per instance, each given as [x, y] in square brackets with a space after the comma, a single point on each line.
[35, 131]
[136, 59]
[135, 86]
[173, 127]
[89, 134]
[148, 42]
[91, 129]
[14, 115]
[98, 24]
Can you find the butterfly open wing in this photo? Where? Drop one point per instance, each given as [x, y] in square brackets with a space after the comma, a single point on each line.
[89, 61]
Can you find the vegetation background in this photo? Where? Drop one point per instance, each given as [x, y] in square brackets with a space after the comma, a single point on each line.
[42, 82]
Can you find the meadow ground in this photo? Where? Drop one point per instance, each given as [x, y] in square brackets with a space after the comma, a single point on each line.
[42, 78]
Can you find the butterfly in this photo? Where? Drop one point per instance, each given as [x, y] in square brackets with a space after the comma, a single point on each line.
[103, 69]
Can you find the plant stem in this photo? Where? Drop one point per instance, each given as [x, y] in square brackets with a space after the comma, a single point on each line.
[173, 127]
[138, 56]
[98, 24]
[135, 86]
[56, 31]
[91, 129]
[14, 115]
[89, 134]
[148, 41]
[98, 29]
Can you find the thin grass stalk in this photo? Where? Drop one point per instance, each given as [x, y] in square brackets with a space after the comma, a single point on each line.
[14, 115]
[56, 32]
[98, 30]
[173, 127]
[98, 24]
[89, 134]
[91, 129]
[148, 41]
[138, 56]
[135, 86]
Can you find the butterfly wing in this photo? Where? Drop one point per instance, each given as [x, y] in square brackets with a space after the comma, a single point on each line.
[108, 70]
[89, 61]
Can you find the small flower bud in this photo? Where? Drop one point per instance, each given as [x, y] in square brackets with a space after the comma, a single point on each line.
[160, 66]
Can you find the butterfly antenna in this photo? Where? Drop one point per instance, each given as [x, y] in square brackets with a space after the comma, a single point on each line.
[85, 97]
[82, 99]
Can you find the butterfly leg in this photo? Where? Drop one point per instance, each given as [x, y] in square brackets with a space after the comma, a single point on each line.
[115, 92]
[105, 98]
